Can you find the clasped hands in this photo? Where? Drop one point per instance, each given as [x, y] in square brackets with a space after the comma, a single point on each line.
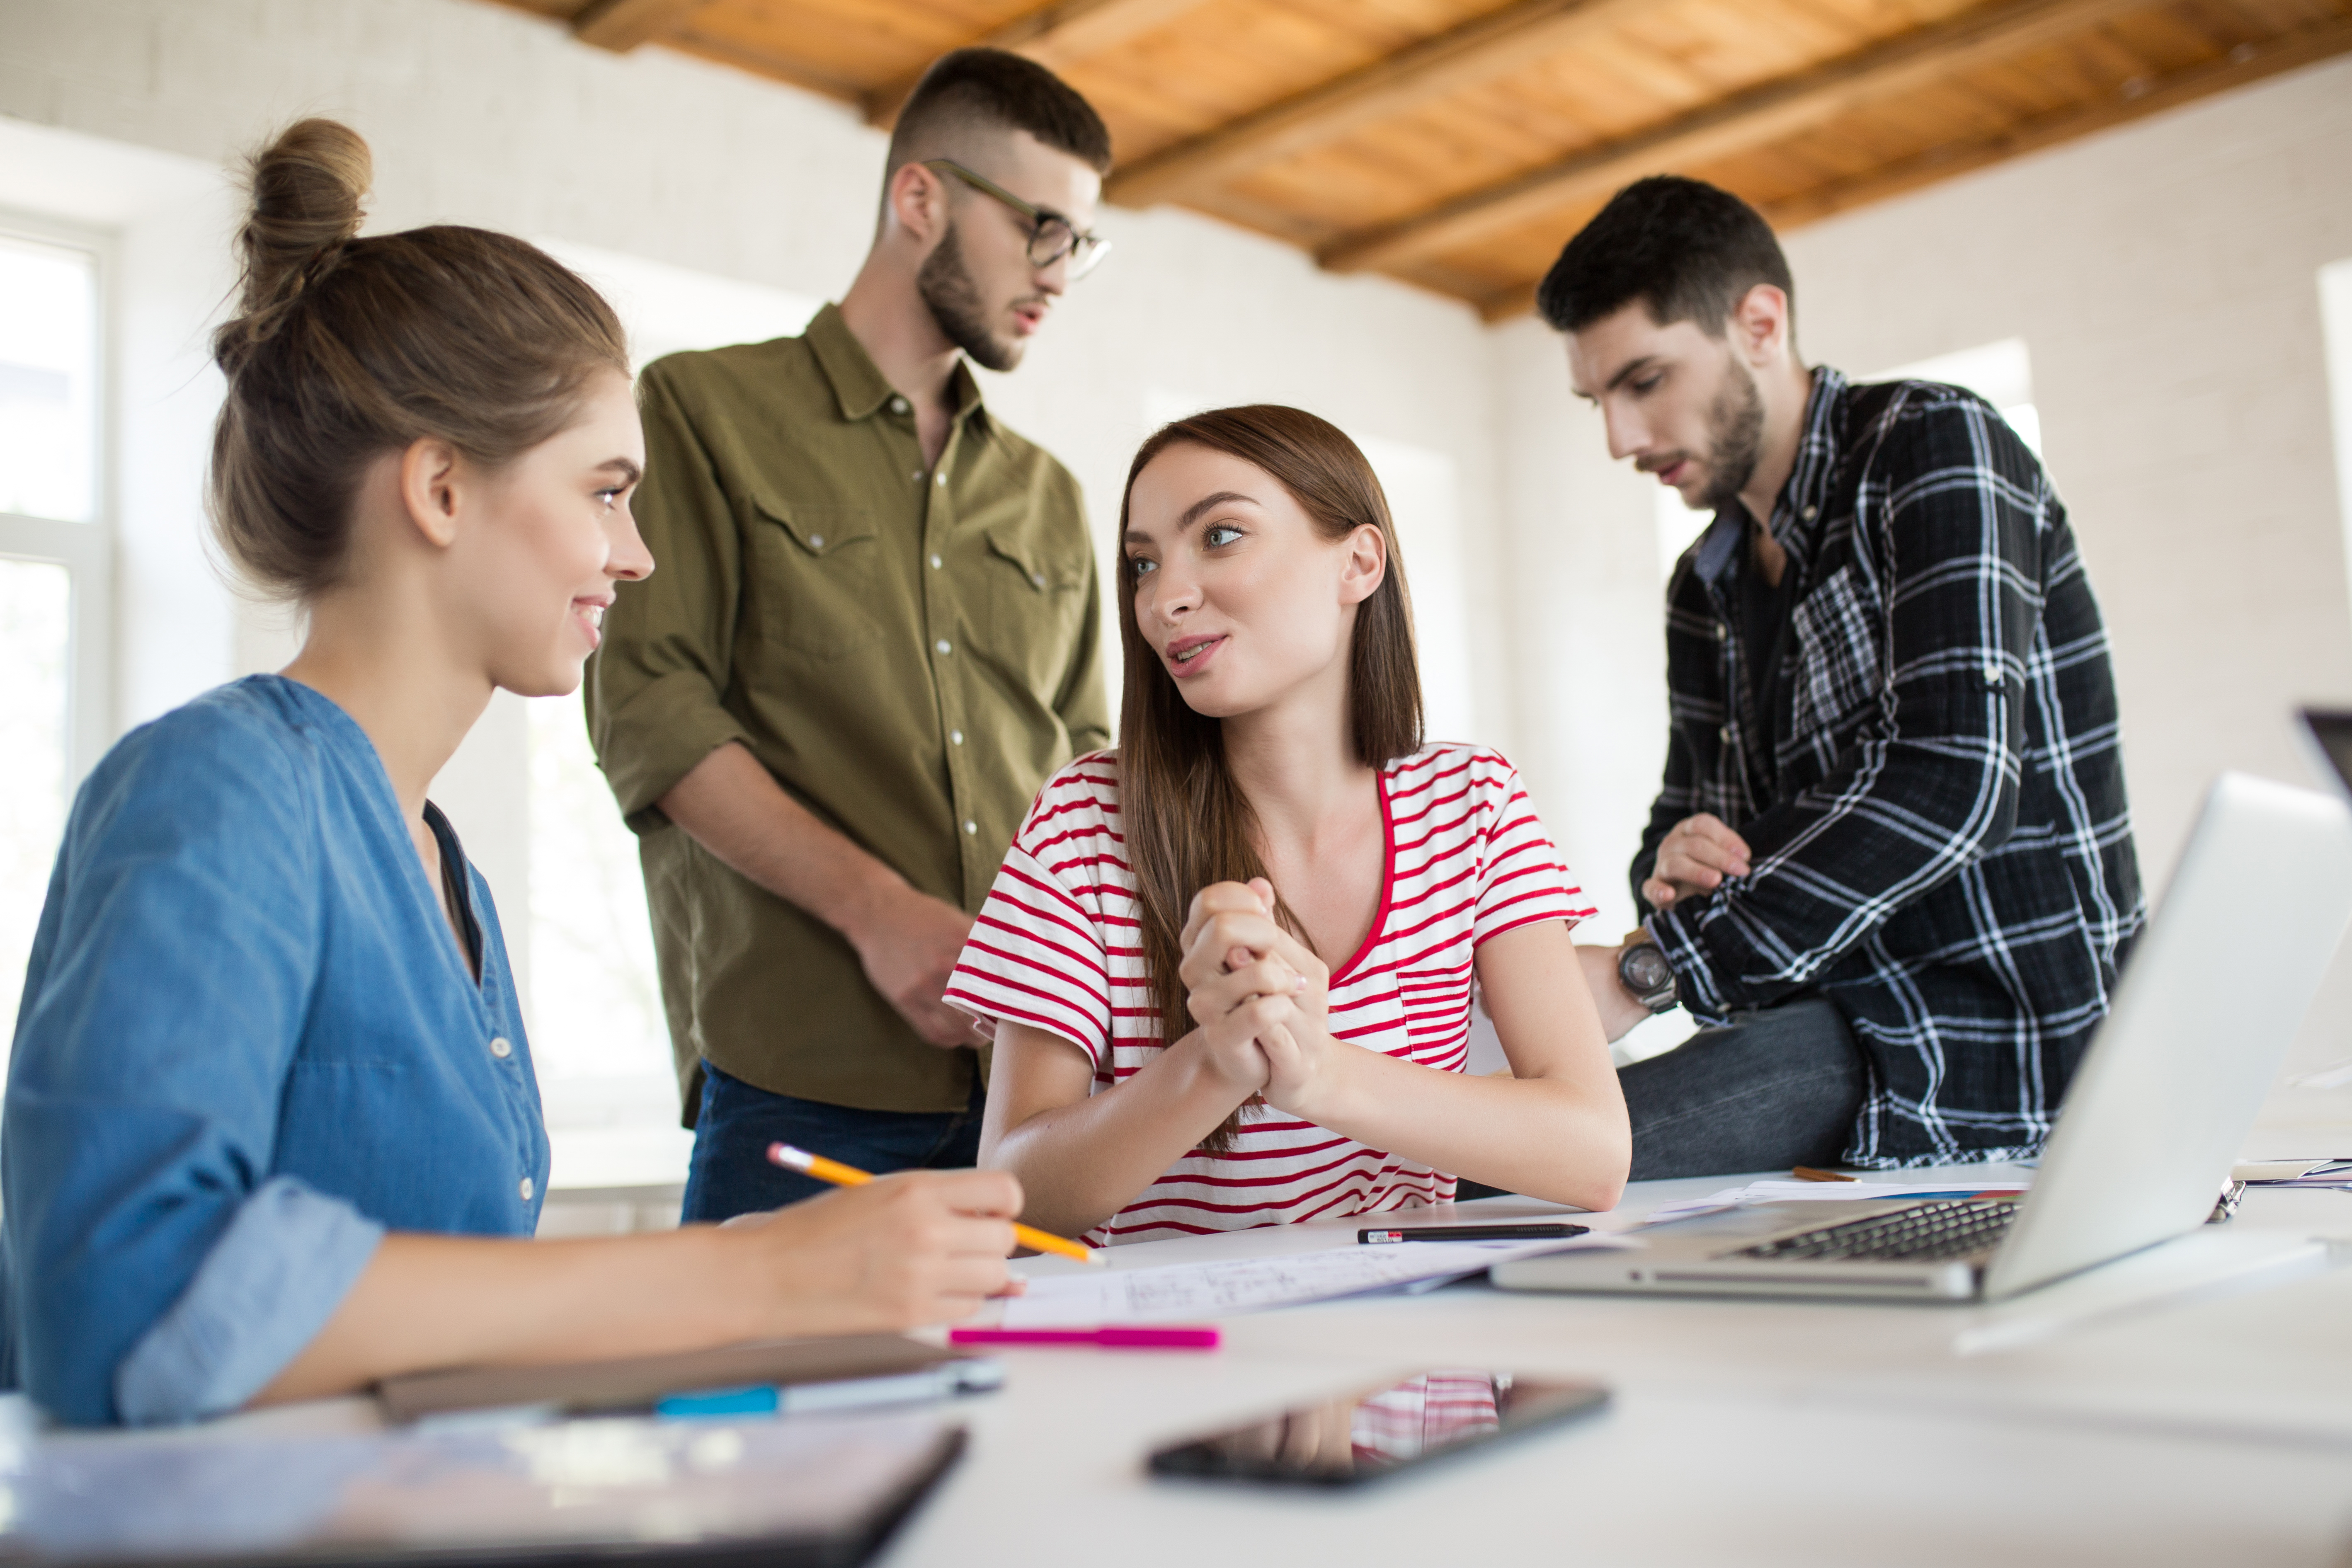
[1261, 998]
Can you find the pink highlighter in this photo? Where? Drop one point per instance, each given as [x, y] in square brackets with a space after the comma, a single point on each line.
[1112, 1338]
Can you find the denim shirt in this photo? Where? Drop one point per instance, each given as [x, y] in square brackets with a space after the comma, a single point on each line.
[248, 1046]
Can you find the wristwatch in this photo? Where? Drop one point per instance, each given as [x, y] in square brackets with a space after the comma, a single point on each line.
[1643, 971]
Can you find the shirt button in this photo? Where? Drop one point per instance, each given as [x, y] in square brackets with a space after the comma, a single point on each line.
[1037, 579]
[955, 737]
[1721, 631]
[1810, 513]
[1723, 734]
[816, 541]
[526, 1189]
[935, 563]
[917, 476]
[971, 827]
[898, 406]
[943, 646]
[500, 1049]
[939, 480]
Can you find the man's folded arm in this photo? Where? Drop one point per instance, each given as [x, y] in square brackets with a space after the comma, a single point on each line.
[1083, 710]
[1932, 779]
[655, 687]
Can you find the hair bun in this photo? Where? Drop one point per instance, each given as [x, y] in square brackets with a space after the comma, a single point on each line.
[308, 189]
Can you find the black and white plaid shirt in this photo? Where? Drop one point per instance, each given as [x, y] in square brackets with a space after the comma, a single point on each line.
[1940, 843]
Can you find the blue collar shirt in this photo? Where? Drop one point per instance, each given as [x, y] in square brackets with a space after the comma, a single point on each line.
[248, 1046]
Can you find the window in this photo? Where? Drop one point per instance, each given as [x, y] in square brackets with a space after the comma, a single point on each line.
[2002, 374]
[54, 560]
[599, 1038]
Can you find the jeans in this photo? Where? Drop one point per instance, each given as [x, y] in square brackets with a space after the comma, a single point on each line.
[1780, 1087]
[729, 1173]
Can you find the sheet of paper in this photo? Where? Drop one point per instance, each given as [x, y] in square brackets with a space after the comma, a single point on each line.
[1819, 1192]
[1197, 1291]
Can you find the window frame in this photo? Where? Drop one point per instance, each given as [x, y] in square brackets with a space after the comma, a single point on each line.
[86, 550]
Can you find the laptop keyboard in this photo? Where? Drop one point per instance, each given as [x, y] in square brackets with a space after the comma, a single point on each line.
[1924, 1233]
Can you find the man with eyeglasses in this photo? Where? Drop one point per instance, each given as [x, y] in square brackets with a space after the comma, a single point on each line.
[874, 633]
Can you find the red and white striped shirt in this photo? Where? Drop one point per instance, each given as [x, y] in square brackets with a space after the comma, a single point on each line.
[1059, 946]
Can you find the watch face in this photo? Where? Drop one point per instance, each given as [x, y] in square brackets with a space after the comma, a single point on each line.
[1644, 969]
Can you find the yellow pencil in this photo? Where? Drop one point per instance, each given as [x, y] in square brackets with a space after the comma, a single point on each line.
[842, 1175]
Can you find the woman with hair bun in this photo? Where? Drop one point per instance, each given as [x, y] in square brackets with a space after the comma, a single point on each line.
[1229, 966]
[271, 1129]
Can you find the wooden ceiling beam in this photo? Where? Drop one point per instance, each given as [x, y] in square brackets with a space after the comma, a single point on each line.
[2246, 64]
[1752, 119]
[621, 25]
[1056, 35]
[1454, 61]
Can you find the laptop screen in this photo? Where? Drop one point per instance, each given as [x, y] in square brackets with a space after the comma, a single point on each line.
[2332, 730]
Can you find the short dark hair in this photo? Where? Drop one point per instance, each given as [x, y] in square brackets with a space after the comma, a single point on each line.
[1686, 250]
[996, 91]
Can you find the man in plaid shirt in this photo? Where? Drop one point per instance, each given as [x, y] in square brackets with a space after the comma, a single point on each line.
[1891, 864]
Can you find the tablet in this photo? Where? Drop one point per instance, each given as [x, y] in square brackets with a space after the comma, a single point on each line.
[806, 1490]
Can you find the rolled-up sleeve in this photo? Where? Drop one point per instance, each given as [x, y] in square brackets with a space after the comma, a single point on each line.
[654, 688]
[267, 1287]
[168, 984]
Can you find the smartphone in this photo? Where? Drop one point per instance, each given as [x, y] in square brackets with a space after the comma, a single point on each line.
[1379, 1431]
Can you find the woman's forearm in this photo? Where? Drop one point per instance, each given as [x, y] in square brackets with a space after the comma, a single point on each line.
[1083, 1162]
[1543, 1137]
[918, 1247]
[427, 1301]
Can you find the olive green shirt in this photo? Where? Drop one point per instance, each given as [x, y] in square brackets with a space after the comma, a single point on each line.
[909, 651]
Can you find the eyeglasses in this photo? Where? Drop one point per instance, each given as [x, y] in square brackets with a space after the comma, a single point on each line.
[1050, 235]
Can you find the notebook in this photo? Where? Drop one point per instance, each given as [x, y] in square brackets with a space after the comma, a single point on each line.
[637, 1384]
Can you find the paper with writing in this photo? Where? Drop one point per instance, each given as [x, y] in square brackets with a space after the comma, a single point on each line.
[1196, 1291]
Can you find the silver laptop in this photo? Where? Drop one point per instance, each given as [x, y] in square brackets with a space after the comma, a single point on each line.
[2171, 1084]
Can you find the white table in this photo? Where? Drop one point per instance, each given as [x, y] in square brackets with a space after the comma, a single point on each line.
[2210, 1428]
[2206, 1430]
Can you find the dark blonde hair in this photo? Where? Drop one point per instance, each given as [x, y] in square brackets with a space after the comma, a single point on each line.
[346, 349]
[1186, 820]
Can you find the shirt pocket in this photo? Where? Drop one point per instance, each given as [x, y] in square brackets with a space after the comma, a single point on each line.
[816, 578]
[1033, 600]
[1838, 655]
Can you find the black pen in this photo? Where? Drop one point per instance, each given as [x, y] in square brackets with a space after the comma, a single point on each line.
[1470, 1233]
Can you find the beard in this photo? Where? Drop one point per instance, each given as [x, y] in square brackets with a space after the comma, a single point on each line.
[1735, 438]
[947, 289]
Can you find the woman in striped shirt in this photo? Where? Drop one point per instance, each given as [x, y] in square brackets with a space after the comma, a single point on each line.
[1274, 874]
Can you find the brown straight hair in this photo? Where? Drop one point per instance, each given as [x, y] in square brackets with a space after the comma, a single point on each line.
[1187, 823]
[346, 349]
